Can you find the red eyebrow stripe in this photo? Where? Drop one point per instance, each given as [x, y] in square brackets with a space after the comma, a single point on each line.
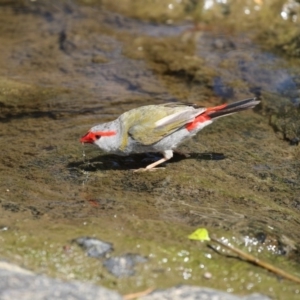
[105, 133]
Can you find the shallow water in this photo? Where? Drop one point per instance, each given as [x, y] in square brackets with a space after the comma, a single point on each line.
[66, 67]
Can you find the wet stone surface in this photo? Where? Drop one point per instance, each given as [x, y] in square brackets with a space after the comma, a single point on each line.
[94, 247]
[68, 65]
[123, 266]
[17, 282]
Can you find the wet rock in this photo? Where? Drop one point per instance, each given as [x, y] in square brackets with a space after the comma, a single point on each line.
[16, 283]
[123, 266]
[5, 266]
[198, 293]
[51, 93]
[94, 247]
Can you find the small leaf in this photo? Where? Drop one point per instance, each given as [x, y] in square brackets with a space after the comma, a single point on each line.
[201, 234]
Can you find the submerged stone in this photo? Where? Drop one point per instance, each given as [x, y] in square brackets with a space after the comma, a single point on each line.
[94, 247]
[123, 266]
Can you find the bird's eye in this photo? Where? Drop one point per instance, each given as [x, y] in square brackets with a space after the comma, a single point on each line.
[97, 136]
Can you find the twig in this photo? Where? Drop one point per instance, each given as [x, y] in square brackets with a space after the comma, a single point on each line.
[257, 261]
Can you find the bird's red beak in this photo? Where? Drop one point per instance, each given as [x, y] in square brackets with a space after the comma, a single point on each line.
[89, 138]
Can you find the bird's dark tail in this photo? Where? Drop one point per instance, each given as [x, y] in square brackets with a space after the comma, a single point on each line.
[223, 110]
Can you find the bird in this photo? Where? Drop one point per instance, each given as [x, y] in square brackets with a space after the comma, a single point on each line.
[158, 128]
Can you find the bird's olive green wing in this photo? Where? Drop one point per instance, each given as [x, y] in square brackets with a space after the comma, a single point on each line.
[149, 124]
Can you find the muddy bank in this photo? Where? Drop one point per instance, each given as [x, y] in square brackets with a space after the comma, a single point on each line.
[65, 67]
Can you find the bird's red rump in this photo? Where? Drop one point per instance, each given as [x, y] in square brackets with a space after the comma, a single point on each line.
[204, 117]
[91, 137]
[198, 120]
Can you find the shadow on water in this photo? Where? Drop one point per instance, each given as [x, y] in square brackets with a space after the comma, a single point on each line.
[136, 161]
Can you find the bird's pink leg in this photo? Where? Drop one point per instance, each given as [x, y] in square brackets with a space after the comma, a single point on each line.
[151, 166]
[168, 154]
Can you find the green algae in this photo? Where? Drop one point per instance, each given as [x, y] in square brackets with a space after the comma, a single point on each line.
[287, 122]
[173, 259]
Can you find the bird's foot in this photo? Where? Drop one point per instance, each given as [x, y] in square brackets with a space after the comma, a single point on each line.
[149, 169]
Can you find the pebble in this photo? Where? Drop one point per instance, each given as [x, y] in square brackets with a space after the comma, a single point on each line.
[123, 266]
[93, 247]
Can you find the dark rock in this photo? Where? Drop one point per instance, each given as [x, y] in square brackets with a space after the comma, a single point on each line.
[94, 247]
[123, 266]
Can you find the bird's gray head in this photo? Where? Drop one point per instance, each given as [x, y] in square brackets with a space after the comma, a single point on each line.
[102, 135]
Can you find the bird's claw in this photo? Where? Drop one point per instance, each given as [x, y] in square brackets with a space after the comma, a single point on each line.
[145, 169]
